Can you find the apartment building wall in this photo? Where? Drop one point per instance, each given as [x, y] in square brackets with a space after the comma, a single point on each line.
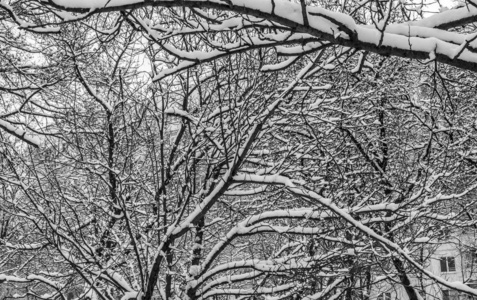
[450, 259]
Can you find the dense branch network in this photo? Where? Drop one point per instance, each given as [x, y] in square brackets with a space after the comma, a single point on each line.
[233, 149]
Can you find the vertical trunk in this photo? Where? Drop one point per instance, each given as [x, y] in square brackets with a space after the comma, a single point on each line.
[168, 288]
[351, 263]
[368, 284]
[197, 253]
[105, 240]
[154, 273]
[410, 291]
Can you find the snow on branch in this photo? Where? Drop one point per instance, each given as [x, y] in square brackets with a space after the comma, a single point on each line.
[382, 239]
[325, 24]
[9, 278]
[255, 291]
[32, 277]
[27, 25]
[20, 133]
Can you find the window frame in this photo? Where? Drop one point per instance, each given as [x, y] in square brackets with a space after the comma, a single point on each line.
[445, 264]
[470, 258]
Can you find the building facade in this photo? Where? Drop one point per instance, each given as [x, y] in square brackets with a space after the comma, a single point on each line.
[453, 259]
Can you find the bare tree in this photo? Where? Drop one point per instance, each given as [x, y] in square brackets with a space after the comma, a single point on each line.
[220, 149]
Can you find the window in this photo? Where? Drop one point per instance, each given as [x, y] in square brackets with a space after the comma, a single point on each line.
[450, 295]
[470, 258]
[447, 264]
[384, 296]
